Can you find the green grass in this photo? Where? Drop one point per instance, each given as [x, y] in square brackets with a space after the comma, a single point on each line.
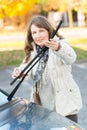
[81, 54]
[11, 58]
[14, 57]
[78, 40]
[79, 43]
[12, 45]
[80, 46]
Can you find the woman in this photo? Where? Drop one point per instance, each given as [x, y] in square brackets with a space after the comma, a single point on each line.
[52, 74]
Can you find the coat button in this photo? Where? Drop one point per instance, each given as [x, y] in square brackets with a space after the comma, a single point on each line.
[70, 90]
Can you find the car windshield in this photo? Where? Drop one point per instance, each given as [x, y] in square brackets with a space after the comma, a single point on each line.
[21, 115]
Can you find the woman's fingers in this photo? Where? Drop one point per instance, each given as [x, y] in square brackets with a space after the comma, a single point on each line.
[52, 44]
[16, 73]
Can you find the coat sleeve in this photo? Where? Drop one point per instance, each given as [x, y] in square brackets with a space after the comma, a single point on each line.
[66, 52]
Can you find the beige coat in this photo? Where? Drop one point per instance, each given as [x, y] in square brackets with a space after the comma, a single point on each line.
[58, 90]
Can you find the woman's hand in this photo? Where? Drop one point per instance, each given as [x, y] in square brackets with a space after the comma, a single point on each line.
[17, 73]
[52, 44]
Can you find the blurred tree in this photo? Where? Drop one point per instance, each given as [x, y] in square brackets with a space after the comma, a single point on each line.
[42, 6]
[21, 10]
[62, 5]
[16, 9]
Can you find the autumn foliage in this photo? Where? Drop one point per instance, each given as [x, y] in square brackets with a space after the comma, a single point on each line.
[19, 11]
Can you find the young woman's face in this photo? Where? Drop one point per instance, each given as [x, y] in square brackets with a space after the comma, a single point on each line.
[39, 35]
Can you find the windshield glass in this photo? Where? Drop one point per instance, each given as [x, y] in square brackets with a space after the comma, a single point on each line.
[39, 118]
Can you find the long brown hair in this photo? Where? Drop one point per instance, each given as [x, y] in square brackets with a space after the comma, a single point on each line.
[41, 22]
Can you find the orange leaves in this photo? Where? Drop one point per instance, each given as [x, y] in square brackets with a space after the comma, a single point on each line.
[16, 7]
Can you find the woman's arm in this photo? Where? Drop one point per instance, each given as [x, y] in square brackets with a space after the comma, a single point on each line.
[65, 52]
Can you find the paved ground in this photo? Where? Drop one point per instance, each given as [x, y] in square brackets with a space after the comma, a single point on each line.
[79, 73]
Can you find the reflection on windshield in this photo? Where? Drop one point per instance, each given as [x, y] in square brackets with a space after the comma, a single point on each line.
[21, 126]
[5, 127]
[17, 124]
[39, 118]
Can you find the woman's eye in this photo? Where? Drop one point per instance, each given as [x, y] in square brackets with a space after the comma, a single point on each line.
[33, 32]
